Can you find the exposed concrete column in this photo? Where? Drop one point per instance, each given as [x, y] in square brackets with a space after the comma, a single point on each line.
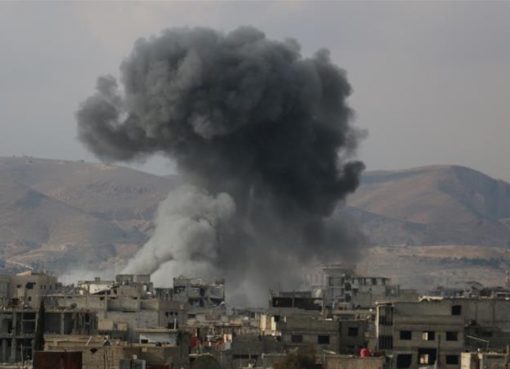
[62, 322]
[12, 359]
[4, 351]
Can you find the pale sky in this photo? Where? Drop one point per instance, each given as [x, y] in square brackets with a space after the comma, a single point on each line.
[431, 80]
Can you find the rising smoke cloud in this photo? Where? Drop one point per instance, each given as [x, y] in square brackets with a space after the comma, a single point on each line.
[261, 137]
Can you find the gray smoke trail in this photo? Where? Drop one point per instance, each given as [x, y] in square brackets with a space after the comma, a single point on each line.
[187, 228]
[262, 134]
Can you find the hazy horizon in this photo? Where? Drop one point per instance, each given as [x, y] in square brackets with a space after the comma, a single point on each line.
[430, 80]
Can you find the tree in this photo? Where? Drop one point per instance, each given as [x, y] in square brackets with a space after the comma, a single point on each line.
[297, 360]
[39, 329]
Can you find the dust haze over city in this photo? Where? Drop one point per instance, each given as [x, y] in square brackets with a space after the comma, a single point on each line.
[300, 172]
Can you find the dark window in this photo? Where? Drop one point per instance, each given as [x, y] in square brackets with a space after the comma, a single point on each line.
[330, 281]
[385, 342]
[427, 356]
[452, 359]
[323, 340]
[296, 338]
[173, 325]
[456, 310]
[352, 331]
[452, 336]
[428, 336]
[276, 318]
[386, 315]
[404, 361]
[405, 335]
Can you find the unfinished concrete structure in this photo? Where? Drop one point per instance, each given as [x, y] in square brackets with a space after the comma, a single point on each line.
[486, 319]
[305, 331]
[96, 286]
[343, 288]
[484, 360]
[199, 293]
[102, 352]
[131, 303]
[18, 327]
[327, 360]
[305, 300]
[417, 334]
[248, 350]
[344, 337]
[292, 303]
[28, 288]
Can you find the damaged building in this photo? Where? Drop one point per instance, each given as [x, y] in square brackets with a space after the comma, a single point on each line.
[440, 329]
[417, 334]
[343, 288]
[18, 328]
[123, 307]
[198, 293]
[109, 321]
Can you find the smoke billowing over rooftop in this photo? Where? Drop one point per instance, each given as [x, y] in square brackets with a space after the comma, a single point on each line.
[263, 141]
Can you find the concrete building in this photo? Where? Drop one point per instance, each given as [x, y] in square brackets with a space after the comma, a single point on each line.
[141, 283]
[339, 336]
[327, 360]
[249, 349]
[18, 327]
[330, 361]
[158, 336]
[199, 293]
[28, 288]
[287, 303]
[343, 288]
[484, 360]
[129, 304]
[304, 331]
[417, 334]
[100, 352]
[303, 300]
[96, 286]
[486, 319]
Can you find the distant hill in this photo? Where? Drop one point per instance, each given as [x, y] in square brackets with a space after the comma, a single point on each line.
[56, 213]
[433, 205]
[60, 214]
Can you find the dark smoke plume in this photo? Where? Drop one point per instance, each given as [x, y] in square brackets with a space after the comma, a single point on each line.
[261, 135]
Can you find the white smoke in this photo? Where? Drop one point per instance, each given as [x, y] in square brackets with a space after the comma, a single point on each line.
[187, 235]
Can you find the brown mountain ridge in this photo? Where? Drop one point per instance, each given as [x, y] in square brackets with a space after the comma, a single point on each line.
[433, 205]
[55, 214]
